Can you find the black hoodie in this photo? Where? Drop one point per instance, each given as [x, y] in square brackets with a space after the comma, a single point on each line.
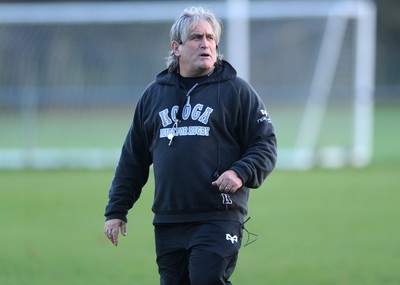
[222, 124]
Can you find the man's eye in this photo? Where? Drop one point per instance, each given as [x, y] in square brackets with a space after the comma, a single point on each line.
[199, 37]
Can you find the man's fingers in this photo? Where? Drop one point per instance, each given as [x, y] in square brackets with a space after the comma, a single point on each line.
[111, 230]
[224, 184]
[114, 235]
[228, 182]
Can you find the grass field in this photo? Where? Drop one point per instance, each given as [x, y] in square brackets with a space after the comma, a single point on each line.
[316, 227]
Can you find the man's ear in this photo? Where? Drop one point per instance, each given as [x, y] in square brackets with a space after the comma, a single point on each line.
[175, 48]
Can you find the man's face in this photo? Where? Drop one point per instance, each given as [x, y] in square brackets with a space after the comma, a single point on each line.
[198, 54]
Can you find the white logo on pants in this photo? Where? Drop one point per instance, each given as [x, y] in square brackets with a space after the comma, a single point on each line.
[233, 239]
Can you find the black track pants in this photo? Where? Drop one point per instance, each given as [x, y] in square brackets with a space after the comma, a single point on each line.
[197, 253]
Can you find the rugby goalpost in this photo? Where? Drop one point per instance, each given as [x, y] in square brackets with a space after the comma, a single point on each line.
[338, 13]
[238, 14]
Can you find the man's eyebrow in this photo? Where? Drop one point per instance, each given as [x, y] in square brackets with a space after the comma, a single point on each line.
[201, 34]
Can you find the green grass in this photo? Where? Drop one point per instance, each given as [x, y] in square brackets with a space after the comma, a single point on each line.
[333, 227]
[315, 227]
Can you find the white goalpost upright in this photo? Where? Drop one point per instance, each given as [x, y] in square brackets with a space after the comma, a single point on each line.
[361, 152]
[262, 40]
[338, 14]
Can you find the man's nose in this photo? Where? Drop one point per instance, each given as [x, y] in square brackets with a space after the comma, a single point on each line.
[204, 43]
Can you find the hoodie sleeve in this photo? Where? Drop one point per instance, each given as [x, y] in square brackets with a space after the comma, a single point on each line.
[258, 139]
[132, 171]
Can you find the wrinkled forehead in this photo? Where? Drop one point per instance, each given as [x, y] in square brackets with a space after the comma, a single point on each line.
[201, 26]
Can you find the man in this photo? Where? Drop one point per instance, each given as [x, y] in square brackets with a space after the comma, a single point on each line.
[209, 138]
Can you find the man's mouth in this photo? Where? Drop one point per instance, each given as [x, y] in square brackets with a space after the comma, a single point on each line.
[205, 54]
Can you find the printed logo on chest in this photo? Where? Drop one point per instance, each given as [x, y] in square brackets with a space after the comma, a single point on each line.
[198, 113]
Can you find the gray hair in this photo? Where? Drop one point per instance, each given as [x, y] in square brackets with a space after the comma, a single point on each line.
[184, 23]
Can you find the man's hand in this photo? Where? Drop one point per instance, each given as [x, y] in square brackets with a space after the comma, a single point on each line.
[228, 182]
[111, 229]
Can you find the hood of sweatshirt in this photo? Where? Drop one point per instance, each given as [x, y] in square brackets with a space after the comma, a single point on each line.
[223, 71]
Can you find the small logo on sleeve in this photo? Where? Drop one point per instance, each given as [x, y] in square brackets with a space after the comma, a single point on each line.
[264, 117]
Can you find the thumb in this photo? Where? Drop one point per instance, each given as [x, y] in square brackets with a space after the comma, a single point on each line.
[123, 228]
[216, 183]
